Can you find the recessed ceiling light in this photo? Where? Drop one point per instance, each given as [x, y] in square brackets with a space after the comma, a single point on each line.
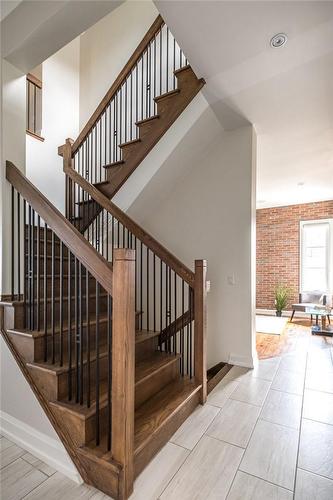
[300, 184]
[278, 40]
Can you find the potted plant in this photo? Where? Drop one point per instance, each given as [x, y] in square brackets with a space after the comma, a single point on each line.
[281, 299]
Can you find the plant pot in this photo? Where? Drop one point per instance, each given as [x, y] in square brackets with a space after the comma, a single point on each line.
[278, 314]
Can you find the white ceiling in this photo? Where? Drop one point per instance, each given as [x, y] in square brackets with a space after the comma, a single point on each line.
[286, 93]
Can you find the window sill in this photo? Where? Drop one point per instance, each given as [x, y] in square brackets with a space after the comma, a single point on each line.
[36, 136]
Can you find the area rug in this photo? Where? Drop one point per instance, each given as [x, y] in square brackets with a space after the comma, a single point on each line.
[270, 324]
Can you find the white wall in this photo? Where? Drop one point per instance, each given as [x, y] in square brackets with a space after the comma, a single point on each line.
[208, 212]
[23, 420]
[60, 120]
[21, 417]
[106, 48]
[12, 148]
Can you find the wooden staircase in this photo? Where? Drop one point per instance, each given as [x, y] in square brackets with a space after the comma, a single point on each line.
[105, 323]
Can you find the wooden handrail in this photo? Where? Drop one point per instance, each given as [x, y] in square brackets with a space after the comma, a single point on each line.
[66, 232]
[176, 265]
[157, 24]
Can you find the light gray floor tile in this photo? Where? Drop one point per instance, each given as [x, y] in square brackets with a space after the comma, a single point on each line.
[235, 423]
[207, 473]
[38, 464]
[319, 380]
[252, 391]
[156, 476]
[247, 487]
[312, 487]
[222, 392]
[195, 426]
[318, 406]
[4, 444]
[294, 362]
[265, 369]
[10, 454]
[316, 448]
[321, 360]
[18, 479]
[282, 408]
[59, 487]
[271, 454]
[288, 381]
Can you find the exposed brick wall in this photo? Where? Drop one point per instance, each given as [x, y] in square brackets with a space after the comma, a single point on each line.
[278, 247]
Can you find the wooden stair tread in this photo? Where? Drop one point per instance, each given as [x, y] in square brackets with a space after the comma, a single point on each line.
[166, 94]
[143, 370]
[57, 369]
[129, 143]
[152, 365]
[152, 414]
[142, 335]
[114, 164]
[183, 68]
[146, 120]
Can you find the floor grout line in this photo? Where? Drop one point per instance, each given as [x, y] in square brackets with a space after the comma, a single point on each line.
[255, 425]
[315, 473]
[300, 427]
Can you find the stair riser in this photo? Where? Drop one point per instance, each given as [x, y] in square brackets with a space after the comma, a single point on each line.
[48, 248]
[82, 430]
[147, 388]
[85, 428]
[57, 284]
[32, 348]
[143, 456]
[92, 309]
[49, 265]
[55, 386]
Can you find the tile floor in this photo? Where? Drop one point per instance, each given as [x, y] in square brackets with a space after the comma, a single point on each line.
[263, 434]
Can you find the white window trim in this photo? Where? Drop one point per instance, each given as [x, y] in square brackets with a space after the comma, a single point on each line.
[329, 251]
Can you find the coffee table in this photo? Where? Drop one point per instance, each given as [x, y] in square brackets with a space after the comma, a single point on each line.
[324, 328]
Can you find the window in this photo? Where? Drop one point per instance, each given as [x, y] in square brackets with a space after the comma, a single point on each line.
[34, 106]
[316, 255]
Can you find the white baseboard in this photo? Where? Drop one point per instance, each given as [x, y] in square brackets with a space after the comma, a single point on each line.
[47, 449]
[247, 362]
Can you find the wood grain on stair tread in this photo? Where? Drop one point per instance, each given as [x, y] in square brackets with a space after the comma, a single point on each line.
[146, 120]
[114, 164]
[130, 143]
[156, 411]
[152, 365]
[166, 95]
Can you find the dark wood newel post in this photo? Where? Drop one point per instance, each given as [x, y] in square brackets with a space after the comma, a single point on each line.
[66, 152]
[123, 366]
[200, 327]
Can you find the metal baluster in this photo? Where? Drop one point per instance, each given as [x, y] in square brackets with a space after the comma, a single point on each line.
[109, 345]
[154, 291]
[45, 293]
[52, 298]
[147, 256]
[167, 60]
[80, 380]
[97, 427]
[12, 247]
[182, 349]
[141, 291]
[29, 269]
[61, 299]
[76, 316]
[69, 320]
[18, 246]
[38, 274]
[88, 337]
